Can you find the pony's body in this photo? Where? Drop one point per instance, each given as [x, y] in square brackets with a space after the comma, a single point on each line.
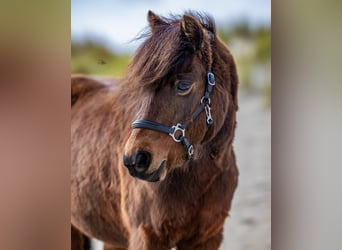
[187, 207]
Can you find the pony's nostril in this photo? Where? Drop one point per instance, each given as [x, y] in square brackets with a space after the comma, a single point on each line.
[142, 161]
[139, 161]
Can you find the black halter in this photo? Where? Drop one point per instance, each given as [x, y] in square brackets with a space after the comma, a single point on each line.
[177, 132]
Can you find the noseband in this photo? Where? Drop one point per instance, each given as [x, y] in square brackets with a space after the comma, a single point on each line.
[177, 132]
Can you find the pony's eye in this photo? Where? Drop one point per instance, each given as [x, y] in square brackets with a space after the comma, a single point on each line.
[183, 87]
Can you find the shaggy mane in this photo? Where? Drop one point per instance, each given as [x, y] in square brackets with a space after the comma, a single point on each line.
[163, 52]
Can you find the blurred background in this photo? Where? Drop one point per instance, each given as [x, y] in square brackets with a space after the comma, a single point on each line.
[102, 43]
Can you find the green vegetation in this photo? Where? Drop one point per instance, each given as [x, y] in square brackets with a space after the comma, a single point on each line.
[95, 59]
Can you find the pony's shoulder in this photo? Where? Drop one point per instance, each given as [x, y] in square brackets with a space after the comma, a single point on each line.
[81, 85]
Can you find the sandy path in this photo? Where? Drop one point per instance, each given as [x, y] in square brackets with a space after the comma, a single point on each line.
[249, 224]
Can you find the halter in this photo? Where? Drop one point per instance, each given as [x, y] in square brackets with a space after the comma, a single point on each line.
[177, 132]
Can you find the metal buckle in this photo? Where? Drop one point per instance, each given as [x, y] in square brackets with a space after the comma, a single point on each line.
[176, 128]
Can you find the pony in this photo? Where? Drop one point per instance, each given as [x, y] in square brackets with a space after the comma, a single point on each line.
[152, 161]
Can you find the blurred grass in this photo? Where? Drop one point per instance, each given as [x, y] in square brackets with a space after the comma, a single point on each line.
[250, 46]
[93, 58]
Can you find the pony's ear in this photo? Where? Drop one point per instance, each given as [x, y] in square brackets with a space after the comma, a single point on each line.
[192, 30]
[155, 21]
[81, 86]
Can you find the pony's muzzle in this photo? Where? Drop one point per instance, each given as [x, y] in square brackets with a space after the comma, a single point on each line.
[139, 162]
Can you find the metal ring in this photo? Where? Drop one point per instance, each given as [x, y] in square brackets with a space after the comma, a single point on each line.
[204, 98]
[176, 128]
[210, 120]
[211, 79]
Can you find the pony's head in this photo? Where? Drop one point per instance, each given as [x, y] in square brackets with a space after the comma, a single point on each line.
[183, 82]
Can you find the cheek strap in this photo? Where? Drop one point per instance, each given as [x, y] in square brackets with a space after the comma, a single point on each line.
[177, 132]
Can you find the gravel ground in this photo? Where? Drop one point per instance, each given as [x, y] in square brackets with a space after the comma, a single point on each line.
[249, 224]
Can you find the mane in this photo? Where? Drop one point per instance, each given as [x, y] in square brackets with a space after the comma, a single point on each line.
[163, 52]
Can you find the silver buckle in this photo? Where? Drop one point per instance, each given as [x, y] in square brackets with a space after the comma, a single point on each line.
[176, 128]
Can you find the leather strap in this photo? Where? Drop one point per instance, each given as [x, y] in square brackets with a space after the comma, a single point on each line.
[177, 132]
[152, 126]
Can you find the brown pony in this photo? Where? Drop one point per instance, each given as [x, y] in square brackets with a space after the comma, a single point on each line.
[153, 165]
